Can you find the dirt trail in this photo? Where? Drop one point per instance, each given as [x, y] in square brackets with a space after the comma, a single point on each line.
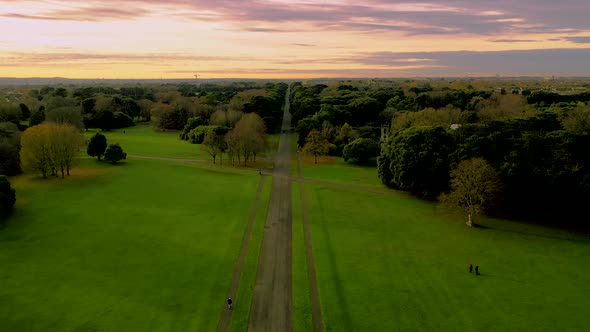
[316, 310]
[272, 298]
[223, 324]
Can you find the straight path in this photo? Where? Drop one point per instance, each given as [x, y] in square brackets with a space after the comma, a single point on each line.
[272, 298]
[223, 324]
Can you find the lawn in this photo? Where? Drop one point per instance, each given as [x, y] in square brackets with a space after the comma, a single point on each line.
[144, 246]
[394, 263]
[337, 170]
[144, 140]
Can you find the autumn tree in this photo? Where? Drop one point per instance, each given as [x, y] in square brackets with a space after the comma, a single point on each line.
[316, 144]
[50, 147]
[474, 187]
[66, 143]
[247, 139]
[214, 144]
[97, 146]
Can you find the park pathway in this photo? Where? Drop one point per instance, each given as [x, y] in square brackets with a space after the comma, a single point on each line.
[272, 298]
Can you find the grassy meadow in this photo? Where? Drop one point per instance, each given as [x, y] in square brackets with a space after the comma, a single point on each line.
[335, 169]
[147, 245]
[397, 263]
[143, 140]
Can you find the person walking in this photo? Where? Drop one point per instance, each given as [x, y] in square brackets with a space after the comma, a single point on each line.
[477, 270]
[229, 302]
[470, 268]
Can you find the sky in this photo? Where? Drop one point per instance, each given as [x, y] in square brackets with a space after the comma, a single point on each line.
[293, 39]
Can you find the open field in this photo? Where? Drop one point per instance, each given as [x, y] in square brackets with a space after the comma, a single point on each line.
[335, 169]
[389, 263]
[144, 140]
[143, 246]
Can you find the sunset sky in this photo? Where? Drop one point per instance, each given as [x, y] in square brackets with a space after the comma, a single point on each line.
[293, 39]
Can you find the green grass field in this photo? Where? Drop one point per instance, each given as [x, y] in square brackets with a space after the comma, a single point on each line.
[144, 140]
[393, 263]
[143, 246]
[337, 170]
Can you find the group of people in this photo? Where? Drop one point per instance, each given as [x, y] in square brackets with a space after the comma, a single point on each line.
[476, 269]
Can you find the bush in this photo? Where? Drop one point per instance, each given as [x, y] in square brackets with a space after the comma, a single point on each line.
[191, 124]
[7, 197]
[197, 135]
[360, 150]
[114, 154]
[38, 117]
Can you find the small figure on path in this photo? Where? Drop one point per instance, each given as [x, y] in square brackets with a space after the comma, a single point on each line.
[470, 268]
[229, 302]
[260, 171]
[477, 270]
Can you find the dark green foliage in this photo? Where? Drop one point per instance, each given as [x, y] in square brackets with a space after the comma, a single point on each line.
[7, 197]
[60, 92]
[25, 111]
[191, 124]
[105, 120]
[174, 119]
[97, 146]
[114, 154]
[9, 159]
[197, 135]
[122, 120]
[269, 109]
[38, 117]
[88, 105]
[417, 160]
[361, 150]
[10, 113]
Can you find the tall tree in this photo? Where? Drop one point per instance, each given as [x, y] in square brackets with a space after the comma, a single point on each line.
[474, 187]
[50, 147]
[214, 144]
[417, 160]
[97, 146]
[316, 144]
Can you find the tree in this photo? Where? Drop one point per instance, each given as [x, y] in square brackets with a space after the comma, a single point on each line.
[66, 142]
[247, 139]
[25, 111]
[66, 115]
[214, 144]
[10, 113]
[360, 150]
[7, 197]
[474, 187]
[97, 146]
[316, 144]
[578, 120]
[50, 147]
[345, 133]
[36, 153]
[191, 124]
[417, 159]
[38, 117]
[114, 154]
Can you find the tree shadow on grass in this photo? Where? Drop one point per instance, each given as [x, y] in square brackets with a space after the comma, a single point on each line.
[335, 279]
